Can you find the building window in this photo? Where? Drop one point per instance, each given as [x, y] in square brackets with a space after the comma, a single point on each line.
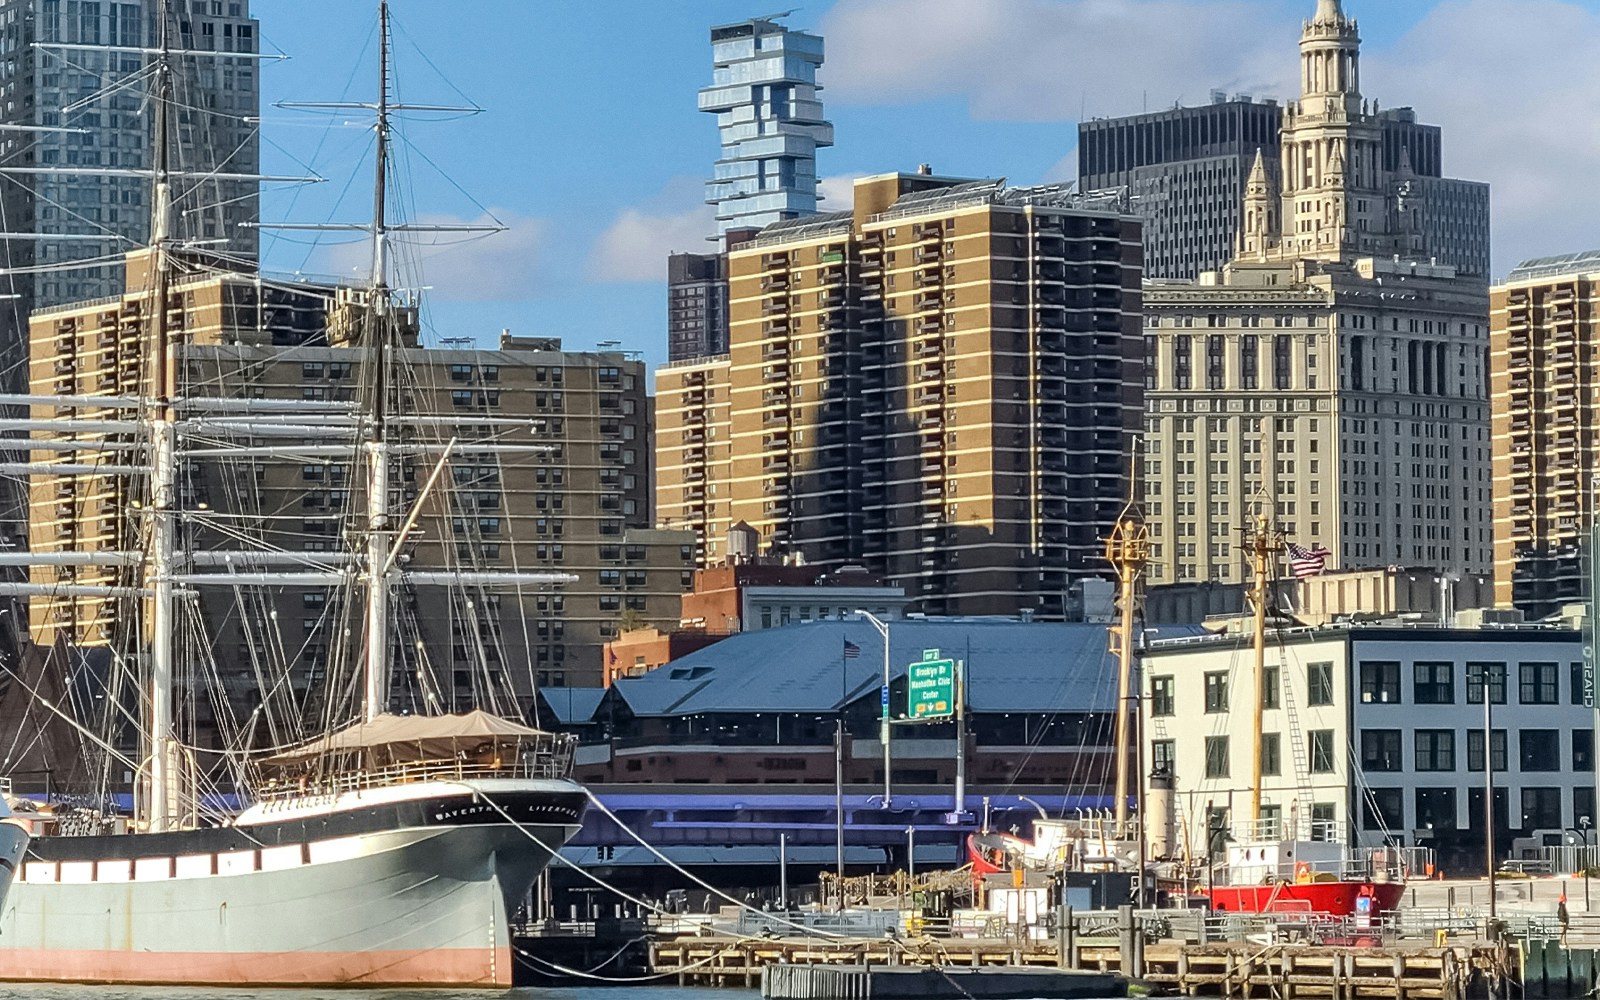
[1216, 692]
[1216, 756]
[1163, 697]
[1496, 674]
[1541, 749]
[1583, 750]
[1380, 683]
[1324, 822]
[1269, 687]
[1182, 362]
[1497, 749]
[1436, 749]
[1583, 805]
[1383, 809]
[1249, 362]
[1163, 755]
[1319, 680]
[1539, 685]
[1380, 750]
[1436, 809]
[1271, 759]
[1434, 684]
[1541, 809]
[1323, 760]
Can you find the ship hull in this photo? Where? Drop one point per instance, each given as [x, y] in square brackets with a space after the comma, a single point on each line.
[1338, 899]
[13, 846]
[416, 893]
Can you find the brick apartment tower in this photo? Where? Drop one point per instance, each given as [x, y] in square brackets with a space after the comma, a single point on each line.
[1544, 322]
[942, 384]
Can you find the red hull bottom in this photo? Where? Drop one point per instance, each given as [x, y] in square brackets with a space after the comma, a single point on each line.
[1333, 898]
[479, 967]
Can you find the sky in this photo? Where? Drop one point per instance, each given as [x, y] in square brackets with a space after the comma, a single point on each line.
[590, 150]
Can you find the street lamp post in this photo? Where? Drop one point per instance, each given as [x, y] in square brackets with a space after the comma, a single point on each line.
[883, 630]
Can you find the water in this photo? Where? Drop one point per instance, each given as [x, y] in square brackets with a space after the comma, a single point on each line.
[33, 992]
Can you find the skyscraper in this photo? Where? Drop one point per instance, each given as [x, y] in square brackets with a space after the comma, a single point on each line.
[1544, 322]
[697, 305]
[764, 94]
[1334, 375]
[66, 80]
[1186, 169]
[942, 384]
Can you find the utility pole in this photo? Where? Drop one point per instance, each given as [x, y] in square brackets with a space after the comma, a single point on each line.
[883, 630]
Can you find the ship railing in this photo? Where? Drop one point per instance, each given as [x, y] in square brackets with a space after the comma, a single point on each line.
[547, 757]
[1274, 828]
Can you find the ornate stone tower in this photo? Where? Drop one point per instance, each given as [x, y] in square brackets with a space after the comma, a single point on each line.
[1260, 232]
[1334, 197]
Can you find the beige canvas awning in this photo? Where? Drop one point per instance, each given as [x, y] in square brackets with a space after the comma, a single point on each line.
[391, 738]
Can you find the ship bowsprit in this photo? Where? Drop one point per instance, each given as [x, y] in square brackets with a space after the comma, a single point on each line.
[412, 888]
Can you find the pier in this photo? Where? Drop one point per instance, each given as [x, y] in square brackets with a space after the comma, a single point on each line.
[1176, 953]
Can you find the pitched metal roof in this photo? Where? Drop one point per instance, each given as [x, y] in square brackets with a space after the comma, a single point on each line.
[1012, 666]
[574, 705]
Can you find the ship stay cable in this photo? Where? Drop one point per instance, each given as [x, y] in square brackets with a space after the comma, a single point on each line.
[705, 924]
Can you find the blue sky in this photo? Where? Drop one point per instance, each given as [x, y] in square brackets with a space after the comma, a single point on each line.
[592, 151]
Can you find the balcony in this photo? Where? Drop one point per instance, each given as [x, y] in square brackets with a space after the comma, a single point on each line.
[777, 419]
[775, 283]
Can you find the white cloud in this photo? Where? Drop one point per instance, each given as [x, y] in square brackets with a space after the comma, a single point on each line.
[1514, 85]
[456, 267]
[1513, 82]
[1054, 60]
[635, 246]
[837, 192]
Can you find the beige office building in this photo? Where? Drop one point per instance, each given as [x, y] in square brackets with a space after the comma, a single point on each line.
[1544, 325]
[1333, 375]
[941, 384]
[581, 506]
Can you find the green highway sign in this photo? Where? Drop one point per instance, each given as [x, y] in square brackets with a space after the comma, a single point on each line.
[931, 687]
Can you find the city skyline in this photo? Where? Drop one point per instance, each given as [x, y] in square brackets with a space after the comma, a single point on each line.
[600, 214]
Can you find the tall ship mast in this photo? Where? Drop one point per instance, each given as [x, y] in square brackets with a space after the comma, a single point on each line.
[1293, 865]
[344, 836]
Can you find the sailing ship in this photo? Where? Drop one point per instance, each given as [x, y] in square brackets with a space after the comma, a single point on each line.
[388, 849]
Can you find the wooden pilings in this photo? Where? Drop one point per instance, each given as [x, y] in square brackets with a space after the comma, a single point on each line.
[1235, 969]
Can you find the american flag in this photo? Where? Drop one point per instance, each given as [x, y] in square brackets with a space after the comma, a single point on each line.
[851, 650]
[1304, 563]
